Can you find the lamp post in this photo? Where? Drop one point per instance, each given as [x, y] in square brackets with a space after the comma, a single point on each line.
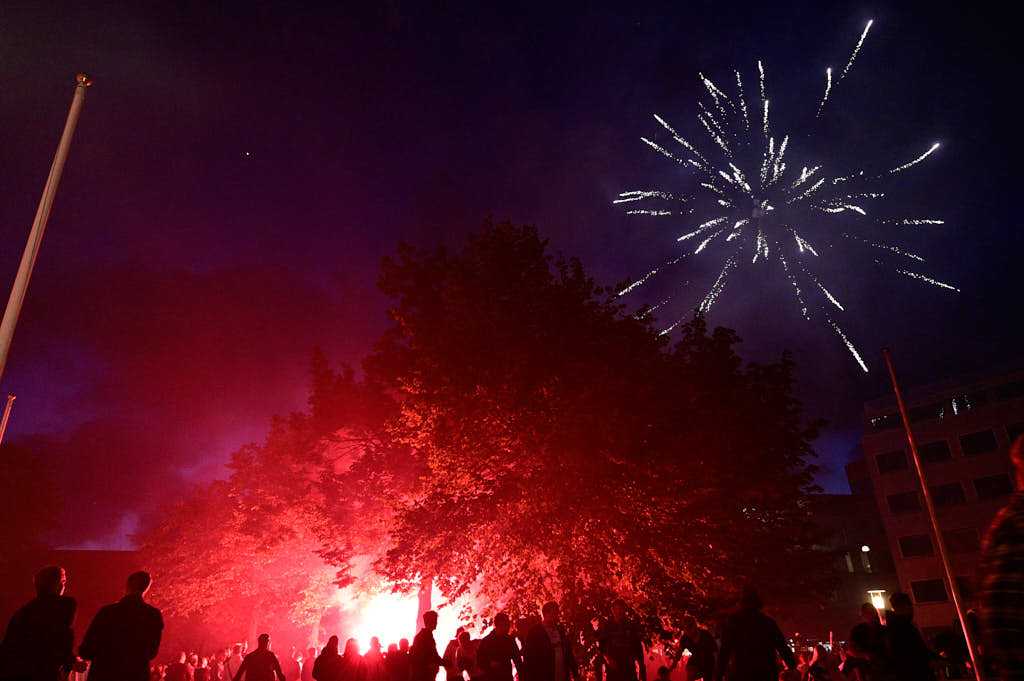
[35, 236]
[940, 541]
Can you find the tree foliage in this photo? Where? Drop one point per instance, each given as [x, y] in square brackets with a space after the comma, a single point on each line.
[519, 436]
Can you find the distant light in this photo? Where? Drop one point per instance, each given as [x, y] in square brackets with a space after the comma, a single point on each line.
[877, 597]
[865, 548]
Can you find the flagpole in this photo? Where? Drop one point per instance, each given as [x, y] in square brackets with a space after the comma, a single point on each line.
[940, 541]
[35, 236]
[6, 417]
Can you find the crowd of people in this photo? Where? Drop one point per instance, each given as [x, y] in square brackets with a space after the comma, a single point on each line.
[123, 639]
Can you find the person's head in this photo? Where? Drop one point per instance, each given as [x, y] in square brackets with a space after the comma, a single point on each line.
[502, 623]
[619, 610]
[662, 672]
[403, 645]
[310, 653]
[332, 645]
[263, 642]
[238, 649]
[901, 605]
[183, 658]
[464, 639]
[689, 624]
[550, 613]
[193, 660]
[750, 599]
[204, 663]
[430, 620]
[375, 644]
[50, 581]
[392, 649]
[1017, 457]
[869, 614]
[351, 648]
[138, 583]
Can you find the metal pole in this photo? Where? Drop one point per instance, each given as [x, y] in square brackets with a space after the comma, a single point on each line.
[940, 541]
[6, 417]
[35, 236]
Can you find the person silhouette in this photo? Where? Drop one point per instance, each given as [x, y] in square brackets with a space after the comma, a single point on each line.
[423, 658]
[39, 642]
[124, 637]
[327, 666]
[547, 649]
[498, 652]
[260, 664]
[751, 643]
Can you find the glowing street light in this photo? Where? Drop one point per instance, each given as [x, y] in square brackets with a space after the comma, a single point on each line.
[877, 598]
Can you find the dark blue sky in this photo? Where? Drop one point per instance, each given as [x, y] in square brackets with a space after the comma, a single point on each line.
[239, 171]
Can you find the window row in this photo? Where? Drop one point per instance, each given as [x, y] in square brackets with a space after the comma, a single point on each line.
[934, 590]
[972, 444]
[953, 406]
[964, 540]
[952, 493]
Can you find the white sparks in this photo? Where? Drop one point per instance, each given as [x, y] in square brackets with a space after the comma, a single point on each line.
[846, 341]
[640, 195]
[760, 77]
[701, 227]
[856, 50]
[743, 101]
[810, 190]
[805, 174]
[644, 211]
[661, 150]
[914, 221]
[714, 136]
[678, 138]
[917, 160]
[765, 123]
[828, 89]
[926, 279]
[717, 287]
[802, 244]
[884, 247]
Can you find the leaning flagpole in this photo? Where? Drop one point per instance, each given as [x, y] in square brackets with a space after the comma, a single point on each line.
[940, 541]
[6, 417]
[35, 236]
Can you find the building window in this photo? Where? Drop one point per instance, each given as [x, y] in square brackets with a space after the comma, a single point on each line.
[993, 486]
[950, 494]
[927, 412]
[891, 461]
[1014, 431]
[982, 442]
[915, 545]
[885, 421]
[929, 591]
[961, 541]
[904, 502]
[935, 452]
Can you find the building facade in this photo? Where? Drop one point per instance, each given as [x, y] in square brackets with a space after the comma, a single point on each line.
[963, 431]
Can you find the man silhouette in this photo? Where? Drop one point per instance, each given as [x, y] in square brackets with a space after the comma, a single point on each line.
[39, 642]
[124, 637]
[498, 652]
[547, 651]
[622, 651]
[423, 658]
[260, 664]
[751, 642]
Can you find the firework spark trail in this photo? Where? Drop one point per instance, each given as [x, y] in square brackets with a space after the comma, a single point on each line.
[846, 341]
[885, 247]
[914, 221]
[828, 90]
[743, 101]
[910, 164]
[719, 285]
[926, 279]
[726, 162]
[856, 50]
[703, 227]
[679, 138]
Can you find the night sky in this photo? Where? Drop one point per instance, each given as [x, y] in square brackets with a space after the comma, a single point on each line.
[239, 171]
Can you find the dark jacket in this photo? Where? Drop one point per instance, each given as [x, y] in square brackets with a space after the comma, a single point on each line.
[122, 639]
[496, 655]
[622, 651]
[703, 651]
[39, 643]
[750, 642]
[423, 658]
[327, 666]
[907, 654]
[539, 655]
[260, 665]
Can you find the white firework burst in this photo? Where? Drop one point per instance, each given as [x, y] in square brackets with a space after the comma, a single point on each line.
[744, 191]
